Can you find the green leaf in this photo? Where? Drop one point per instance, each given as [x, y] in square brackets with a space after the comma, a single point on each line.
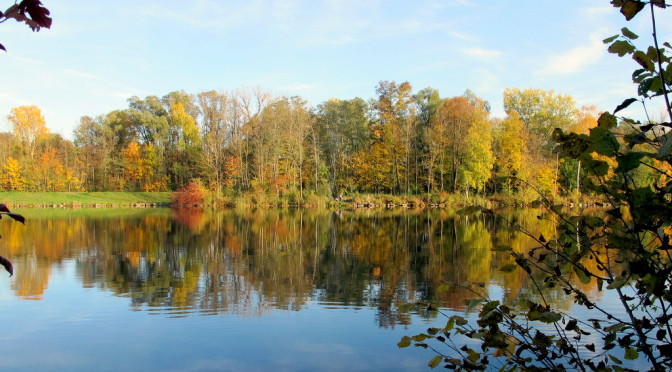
[544, 316]
[625, 104]
[460, 321]
[656, 84]
[593, 222]
[473, 303]
[405, 342]
[603, 141]
[631, 354]
[643, 60]
[665, 149]
[607, 121]
[489, 306]
[509, 268]
[642, 196]
[652, 53]
[598, 167]
[614, 359]
[450, 324]
[615, 328]
[644, 86]
[421, 337]
[629, 34]
[621, 47]
[630, 8]
[609, 40]
[473, 355]
[434, 362]
[619, 282]
[582, 274]
[628, 162]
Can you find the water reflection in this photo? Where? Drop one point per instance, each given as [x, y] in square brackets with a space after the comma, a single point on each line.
[179, 263]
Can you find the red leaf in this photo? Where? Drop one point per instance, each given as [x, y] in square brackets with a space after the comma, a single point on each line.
[38, 13]
[7, 264]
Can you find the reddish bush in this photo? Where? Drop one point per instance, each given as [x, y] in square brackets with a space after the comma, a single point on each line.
[191, 195]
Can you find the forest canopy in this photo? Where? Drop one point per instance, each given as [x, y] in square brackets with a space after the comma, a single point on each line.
[248, 140]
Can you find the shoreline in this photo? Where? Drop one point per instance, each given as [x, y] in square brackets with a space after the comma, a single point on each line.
[75, 200]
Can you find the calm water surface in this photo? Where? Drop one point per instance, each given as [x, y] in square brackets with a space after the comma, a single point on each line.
[292, 290]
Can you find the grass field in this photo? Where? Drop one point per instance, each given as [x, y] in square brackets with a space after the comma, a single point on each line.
[19, 198]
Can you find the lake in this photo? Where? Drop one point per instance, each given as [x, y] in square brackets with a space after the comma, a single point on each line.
[285, 290]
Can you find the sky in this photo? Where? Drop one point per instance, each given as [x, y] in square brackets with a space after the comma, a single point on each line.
[98, 54]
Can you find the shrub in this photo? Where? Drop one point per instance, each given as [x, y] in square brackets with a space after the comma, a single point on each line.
[191, 195]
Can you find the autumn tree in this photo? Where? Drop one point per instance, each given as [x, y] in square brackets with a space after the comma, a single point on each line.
[395, 113]
[12, 177]
[454, 121]
[214, 110]
[28, 125]
[372, 167]
[183, 145]
[478, 158]
[95, 143]
[278, 144]
[541, 111]
[135, 168]
[342, 129]
[511, 150]
[427, 141]
[570, 169]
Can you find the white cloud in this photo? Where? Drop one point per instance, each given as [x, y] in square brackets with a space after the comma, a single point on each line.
[482, 53]
[462, 36]
[575, 59]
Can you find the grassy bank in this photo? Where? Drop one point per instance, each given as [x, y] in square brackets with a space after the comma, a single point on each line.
[112, 199]
[16, 198]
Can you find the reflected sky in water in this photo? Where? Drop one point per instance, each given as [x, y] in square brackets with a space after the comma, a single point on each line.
[289, 290]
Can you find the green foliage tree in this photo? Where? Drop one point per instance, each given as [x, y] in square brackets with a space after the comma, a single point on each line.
[478, 157]
[395, 112]
[343, 129]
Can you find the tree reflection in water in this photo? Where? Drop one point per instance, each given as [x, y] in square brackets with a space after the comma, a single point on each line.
[250, 262]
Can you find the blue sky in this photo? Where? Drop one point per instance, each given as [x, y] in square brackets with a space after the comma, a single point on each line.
[99, 53]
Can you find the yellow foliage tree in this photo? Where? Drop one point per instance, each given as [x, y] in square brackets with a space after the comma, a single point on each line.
[134, 165]
[512, 148]
[28, 125]
[12, 179]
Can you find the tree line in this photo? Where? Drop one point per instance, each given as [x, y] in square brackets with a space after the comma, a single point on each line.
[248, 140]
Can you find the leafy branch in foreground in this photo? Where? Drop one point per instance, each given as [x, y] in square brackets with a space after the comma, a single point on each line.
[625, 252]
[4, 211]
[32, 12]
